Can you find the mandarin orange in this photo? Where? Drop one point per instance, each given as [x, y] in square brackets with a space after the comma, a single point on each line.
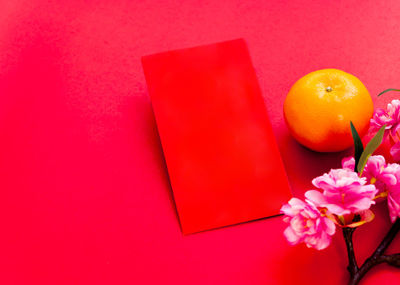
[319, 107]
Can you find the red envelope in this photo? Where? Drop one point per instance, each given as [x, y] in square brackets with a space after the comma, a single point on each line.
[222, 158]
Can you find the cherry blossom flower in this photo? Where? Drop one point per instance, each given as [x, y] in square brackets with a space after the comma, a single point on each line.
[344, 192]
[395, 143]
[374, 171]
[307, 224]
[393, 192]
[348, 163]
[389, 117]
[385, 177]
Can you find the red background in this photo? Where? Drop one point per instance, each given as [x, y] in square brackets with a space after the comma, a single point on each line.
[84, 194]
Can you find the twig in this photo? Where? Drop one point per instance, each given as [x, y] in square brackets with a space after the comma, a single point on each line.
[388, 239]
[356, 274]
[393, 259]
[348, 237]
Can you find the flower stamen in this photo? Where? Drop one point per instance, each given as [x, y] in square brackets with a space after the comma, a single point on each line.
[381, 195]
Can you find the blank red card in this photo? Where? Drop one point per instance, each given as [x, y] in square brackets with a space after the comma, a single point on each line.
[221, 154]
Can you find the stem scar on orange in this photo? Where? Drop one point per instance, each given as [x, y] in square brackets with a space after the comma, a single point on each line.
[319, 107]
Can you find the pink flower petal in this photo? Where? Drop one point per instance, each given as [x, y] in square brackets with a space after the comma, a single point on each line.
[395, 151]
[307, 224]
[316, 197]
[348, 163]
[291, 236]
[344, 192]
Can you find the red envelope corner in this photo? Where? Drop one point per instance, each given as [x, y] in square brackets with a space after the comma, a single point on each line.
[223, 161]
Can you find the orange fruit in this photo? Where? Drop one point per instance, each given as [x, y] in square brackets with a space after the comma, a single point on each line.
[319, 107]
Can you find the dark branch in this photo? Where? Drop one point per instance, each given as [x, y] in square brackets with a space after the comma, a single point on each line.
[388, 238]
[348, 237]
[393, 259]
[376, 258]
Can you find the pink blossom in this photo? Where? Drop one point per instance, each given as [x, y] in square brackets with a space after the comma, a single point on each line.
[385, 177]
[395, 142]
[344, 192]
[306, 224]
[389, 117]
[393, 192]
[395, 151]
[348, 163]
[374, 171]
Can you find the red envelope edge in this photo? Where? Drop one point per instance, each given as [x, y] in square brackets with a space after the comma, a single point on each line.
[223, 161]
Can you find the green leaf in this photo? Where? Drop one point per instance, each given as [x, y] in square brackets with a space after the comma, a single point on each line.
[370, 148]
[387, 90]
[358, 146]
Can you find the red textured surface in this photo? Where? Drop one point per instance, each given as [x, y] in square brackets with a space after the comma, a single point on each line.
[84, 195]
[222, 158]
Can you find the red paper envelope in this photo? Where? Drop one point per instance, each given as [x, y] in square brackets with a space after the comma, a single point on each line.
[222, 158]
